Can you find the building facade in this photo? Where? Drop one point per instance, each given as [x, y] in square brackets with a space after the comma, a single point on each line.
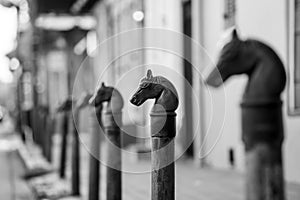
[215, 115]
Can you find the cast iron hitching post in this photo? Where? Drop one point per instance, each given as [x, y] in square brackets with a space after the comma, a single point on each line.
[81, 103]
[94, 170]
[64, 108]
[163, 131]
[112, 120]
[262, 124]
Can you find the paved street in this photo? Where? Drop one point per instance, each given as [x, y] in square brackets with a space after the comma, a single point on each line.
[195, 184]
[191, 183]
[12, 186]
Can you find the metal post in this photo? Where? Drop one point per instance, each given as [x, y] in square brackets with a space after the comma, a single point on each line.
[65, 108]
[111, 122]
[82, 102]
[163, 131]
[163, 173]
[112, 119]
[63, 152]
[43, 113]
[75, 156]
[94, 173]
[50, 124]
[262, 128]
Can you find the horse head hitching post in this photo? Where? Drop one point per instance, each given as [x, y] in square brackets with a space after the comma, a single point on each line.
[94, 166]
[81, 103]
[163, 131]
[112, 120]
[262, 124]
[64, 108]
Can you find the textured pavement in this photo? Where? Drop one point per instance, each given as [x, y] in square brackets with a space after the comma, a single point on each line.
[191, 183]
[12, 186]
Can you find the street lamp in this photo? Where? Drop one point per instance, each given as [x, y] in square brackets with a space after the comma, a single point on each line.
[14, 64]
[138, 16]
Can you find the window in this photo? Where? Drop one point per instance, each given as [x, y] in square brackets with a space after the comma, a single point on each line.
[294, 58]
[229, 13]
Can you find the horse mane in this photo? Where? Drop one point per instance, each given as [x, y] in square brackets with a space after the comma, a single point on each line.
[256, 44]
[274, 71]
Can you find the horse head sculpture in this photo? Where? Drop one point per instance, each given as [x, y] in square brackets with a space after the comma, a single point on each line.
[264, 68]
[66, 105]
[110, 95]
[261, 111]
[83, 101]
[158, 88]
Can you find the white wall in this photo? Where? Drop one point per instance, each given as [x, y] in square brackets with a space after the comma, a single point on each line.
[228, 100]
[265, 20]
[262, 19]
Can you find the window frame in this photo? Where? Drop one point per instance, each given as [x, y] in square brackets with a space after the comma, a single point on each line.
[230, 21]
[293, 110]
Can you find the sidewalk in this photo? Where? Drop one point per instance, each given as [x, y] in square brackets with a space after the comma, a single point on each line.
[12, 186]
[196, 184]
[191, 183]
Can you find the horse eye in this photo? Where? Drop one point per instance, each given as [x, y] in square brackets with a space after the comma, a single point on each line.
[229, 52]
[144, 85]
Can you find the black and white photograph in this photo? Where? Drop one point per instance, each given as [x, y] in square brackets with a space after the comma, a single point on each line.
[149, 99]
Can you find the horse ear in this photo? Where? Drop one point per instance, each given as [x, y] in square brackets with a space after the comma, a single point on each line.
[235, 34]
[149, 74]
[102, 85]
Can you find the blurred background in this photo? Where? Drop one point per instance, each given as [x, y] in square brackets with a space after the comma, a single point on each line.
[52, 49]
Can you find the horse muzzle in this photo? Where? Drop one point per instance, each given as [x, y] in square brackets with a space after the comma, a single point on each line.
[136, 101]
[214, 79]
